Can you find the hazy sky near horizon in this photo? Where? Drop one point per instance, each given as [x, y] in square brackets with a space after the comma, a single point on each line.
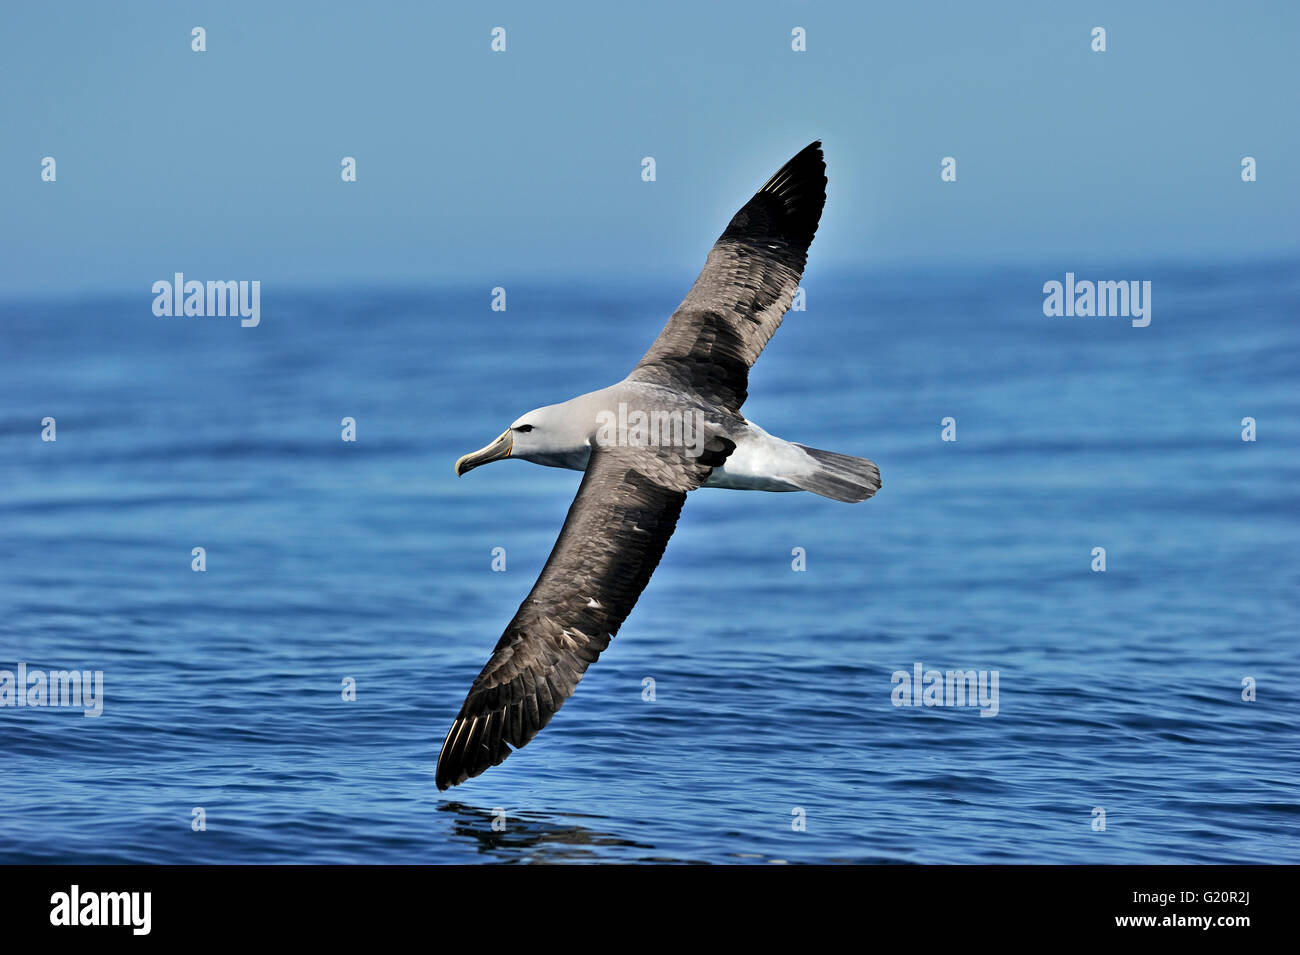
[482, 166]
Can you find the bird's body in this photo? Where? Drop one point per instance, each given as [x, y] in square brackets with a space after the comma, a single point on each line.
[760, 461]
[673, 425]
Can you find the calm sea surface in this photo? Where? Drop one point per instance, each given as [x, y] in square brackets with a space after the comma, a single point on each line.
[1118, 691]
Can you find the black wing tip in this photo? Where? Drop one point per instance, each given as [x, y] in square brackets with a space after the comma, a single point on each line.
[800, 188]
[478, 741]
[811, 154]
[454, 763]
[449, 772]
[807, 166]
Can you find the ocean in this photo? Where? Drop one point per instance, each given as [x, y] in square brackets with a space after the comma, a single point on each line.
[1145, 713]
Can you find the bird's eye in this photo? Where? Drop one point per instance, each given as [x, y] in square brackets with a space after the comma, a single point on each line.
[525, 428]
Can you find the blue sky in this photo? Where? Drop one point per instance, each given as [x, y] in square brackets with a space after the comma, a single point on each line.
[476, 166]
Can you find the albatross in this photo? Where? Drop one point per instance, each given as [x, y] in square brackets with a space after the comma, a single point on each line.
[673, 425]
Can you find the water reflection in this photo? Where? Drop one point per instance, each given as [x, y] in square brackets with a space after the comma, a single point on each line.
[545, 837]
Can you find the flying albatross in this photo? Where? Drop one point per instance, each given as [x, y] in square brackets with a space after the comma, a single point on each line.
[669, 427]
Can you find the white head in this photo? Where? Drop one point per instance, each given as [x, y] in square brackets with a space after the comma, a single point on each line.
[552, 435]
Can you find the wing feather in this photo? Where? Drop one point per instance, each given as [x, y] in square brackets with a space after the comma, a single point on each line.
[613, 538]
[748, 283]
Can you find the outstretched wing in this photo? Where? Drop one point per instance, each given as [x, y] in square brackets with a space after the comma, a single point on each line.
[748, 282]
[618, 525]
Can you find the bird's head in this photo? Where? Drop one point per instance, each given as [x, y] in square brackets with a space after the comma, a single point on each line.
[544, 436]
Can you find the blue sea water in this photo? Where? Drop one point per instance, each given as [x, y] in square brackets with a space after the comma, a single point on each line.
[1119, 691]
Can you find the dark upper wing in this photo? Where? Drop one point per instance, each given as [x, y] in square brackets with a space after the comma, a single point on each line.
[618, 525]
[748, 282]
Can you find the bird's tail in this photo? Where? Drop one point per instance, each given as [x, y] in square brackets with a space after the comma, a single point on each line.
[840, 477]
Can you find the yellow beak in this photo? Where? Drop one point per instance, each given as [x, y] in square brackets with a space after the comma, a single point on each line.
[498, 449]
